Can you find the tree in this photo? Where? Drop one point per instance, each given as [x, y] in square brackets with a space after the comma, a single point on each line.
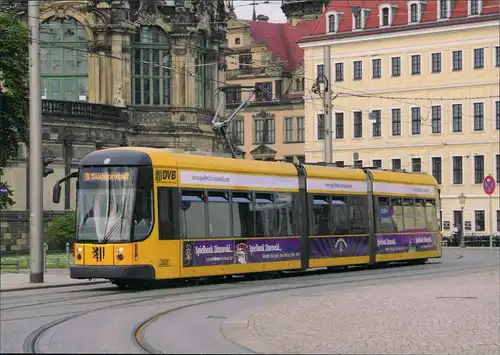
[13, 93]
[61, 229]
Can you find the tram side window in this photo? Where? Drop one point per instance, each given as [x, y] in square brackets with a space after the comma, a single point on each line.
[431, 216]
[398, 217]
[242, 214]
[286, 213]
[165, 214]
[219, 218]
[265, 215]
[385, 221]
[358, 212]
[321, 215]
[420, 218]
[409, 214]
[193, 215]
[340, 215]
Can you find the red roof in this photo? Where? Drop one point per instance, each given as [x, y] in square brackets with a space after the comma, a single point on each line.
[282, 38]
[429, 15]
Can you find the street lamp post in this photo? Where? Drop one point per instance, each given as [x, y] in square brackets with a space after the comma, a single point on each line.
[323, 83]
[461, 200]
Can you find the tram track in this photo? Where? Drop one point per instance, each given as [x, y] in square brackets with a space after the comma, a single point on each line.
[139, 336]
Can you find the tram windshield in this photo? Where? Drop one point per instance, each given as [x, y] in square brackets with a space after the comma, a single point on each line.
[114, 204]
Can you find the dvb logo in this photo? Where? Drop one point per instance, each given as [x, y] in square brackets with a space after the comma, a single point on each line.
[161, 175]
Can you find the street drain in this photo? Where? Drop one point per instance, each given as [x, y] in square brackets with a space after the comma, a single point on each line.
[456, 297]
[216, 317]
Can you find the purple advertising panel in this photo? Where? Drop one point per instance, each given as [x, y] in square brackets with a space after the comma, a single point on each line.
[337, 247]
[241, 251]
[266, 250]
[404, 243]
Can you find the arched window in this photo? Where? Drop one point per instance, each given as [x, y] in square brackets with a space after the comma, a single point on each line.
[204, 69]
[385, 16]
[64, 60]
[414, 13]
[151, 63]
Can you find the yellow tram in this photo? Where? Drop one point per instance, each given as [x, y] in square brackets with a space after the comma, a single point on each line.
[149, 214]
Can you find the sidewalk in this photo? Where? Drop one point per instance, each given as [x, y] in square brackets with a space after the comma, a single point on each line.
[458, 314]
[52, 278]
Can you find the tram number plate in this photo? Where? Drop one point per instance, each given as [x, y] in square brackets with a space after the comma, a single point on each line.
[163, 262]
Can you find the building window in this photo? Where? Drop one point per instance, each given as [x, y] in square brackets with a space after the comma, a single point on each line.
[457, 171]
[457, 60]
[264, 131]
[415, 64]
[396, 66]
[233, 95]
[377, 163]
[377, 124]
[358, 70]
[331, 23]
[498, 167]
[436, 169]
[266, 94]
[377, 68]
[339, 163]
[457, 117]
[204, 74]
[443, 9]
[64, 60]
[498, 220]
[414, 13]
[396, 121]
[300, 129]
[358, 163]
[358, 20]
[478, 58]
[416, 120]
[288, 129]
[396, 164]
[339, 125]
[385, 16]
[416, 165]
[497, 56]
[479, 219]
[321, 126]
[478, 169]
[497, 114]
[358, 124]
[237, 41]
[236, 132]
[245, 61]
[299, 84]
[478, 116]
[436, 119]
[339, 71]
[474, 7]
[436, 62]
[321, 72]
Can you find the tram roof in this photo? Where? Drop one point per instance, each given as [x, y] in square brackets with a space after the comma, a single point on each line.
[329, 172]
[403, 177]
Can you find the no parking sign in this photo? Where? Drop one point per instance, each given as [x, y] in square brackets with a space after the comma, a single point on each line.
[489, 185]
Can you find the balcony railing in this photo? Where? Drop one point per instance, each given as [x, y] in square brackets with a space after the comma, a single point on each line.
[56, 108]
[234, 73]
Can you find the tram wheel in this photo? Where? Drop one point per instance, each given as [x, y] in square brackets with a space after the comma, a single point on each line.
[120, 283]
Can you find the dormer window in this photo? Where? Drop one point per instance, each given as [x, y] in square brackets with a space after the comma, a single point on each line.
[415, 11]
[475, 7]
[444, 9]
[386, 14]
[359, 16]
[333, 21]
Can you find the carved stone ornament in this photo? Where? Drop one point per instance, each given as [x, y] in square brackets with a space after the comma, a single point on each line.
[179, 51]
[263, 150]
[97, 47]
[263, 114]
[148, 13]
[119, 99]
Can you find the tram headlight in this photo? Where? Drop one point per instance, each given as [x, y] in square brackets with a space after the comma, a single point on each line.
[119, 253]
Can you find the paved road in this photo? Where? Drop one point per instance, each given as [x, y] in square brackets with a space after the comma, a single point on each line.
[369, 311]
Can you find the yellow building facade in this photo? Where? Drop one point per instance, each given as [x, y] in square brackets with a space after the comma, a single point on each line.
[422, 98]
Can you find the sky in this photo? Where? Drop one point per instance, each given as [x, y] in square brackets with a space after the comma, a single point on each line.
[244, 10]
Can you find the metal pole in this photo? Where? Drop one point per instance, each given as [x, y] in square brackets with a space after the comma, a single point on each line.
[327, 103]
[462, 239]
[491, 224]
[35, 148]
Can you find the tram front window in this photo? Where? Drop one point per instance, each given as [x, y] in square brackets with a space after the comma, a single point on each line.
[114, 204]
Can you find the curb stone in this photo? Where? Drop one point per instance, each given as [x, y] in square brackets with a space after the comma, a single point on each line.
[52, 286]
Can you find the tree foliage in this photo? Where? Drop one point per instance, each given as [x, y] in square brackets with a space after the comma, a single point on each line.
[61, 230]
[14, 71]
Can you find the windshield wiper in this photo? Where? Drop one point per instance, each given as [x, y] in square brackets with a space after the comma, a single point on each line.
[108, 235]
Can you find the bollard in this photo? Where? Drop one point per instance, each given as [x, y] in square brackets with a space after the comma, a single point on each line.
[67, 254]
[45, 250]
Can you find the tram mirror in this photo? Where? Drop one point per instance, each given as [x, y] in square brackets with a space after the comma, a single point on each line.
[56, 193]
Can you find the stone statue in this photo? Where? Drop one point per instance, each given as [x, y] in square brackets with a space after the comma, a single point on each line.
[119, 99]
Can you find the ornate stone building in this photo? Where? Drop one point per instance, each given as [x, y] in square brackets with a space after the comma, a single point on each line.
[114, 73]
[266, 54]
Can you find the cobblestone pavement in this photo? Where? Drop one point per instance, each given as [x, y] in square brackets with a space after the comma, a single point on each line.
[450, 315]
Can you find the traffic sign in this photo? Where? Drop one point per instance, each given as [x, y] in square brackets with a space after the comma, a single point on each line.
[489, 185]
[4, 190]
